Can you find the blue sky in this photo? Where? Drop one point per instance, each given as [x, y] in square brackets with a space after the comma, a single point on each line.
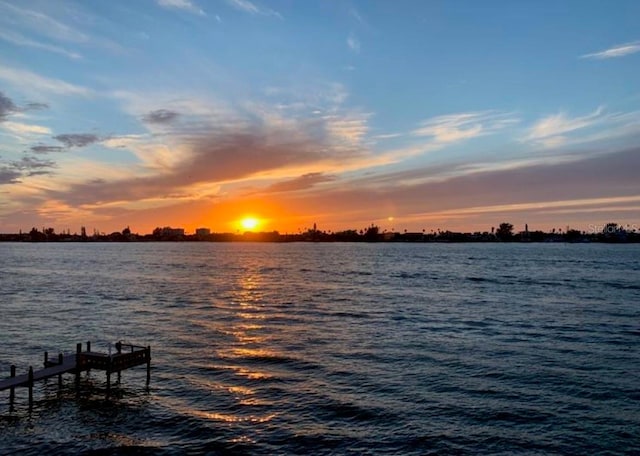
[409, 114]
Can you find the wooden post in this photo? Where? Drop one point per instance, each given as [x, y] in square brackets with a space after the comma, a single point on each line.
[88, 350]
[78, 351]
[119, 347]
[60, 361]
[30, 387]
[46, 358]
[148, 356]
[109, 377]
[12, 393]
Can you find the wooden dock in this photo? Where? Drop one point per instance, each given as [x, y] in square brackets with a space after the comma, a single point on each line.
[126, 356]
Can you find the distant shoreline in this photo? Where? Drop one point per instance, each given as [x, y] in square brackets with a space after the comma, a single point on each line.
[571, 236]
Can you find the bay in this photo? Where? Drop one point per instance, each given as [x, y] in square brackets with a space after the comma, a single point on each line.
[329, 348]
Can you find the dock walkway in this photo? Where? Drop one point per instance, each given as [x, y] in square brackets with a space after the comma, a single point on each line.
[126, 356]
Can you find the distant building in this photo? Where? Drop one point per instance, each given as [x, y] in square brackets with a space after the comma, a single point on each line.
[168, 232]
[203, 232]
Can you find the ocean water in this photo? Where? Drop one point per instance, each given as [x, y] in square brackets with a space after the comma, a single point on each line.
[328, 348]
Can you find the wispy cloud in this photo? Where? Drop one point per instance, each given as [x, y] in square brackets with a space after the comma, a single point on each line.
[560, 129]
[77, 139]
[251, 8]
[551, 129]
[619, 50]
[33, 165]
[353, 43]
[20, 40]
[570, 206]
[185, 5]
[161, 116]
[11, 172]
[462, 126]
[303, 182]
[7, 106]
[37, 23]
[45, 149]
[348, 129]
[30, 82]
[44, 24]
[354, 13]
[9, 175]
[20, 128]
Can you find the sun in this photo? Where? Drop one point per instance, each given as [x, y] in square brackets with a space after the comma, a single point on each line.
[249, 223]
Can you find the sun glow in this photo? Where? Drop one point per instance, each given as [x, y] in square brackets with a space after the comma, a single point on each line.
[249, 223]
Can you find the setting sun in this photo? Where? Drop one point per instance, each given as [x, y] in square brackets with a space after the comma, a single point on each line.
[249, 223]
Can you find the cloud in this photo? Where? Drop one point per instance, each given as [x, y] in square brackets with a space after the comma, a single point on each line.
[210, 157]
[161, 116]
[20, 40]
[357, 16]
[353, 43]
[300, 183]
[34, 166]
[560, 129]
[44, 149]
[462, 126]
[9, 175]
[620, 50]
[560, 123]
[77, 139]
[26, 129]
[348, 129]
[35, 106]
[43, 24]
[7, 107]
[33, 82]
[185, 5]
[529, 189]
[251, 8]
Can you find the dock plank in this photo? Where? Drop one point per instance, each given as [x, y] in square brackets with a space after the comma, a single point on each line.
[68, 364]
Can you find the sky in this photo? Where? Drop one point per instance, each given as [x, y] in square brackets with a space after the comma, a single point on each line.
[410, 115]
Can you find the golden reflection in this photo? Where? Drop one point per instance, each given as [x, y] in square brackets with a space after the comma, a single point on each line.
[251, 311]
[251, 316]
[246, 373]
[228, 418]
[242, 439]
[244, 339]
[181, 407]
[249, 327]
[238, 390]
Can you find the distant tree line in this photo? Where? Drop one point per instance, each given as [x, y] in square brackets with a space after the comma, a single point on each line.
[610, 232]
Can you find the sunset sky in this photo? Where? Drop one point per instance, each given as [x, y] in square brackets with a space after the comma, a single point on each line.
[406, 114]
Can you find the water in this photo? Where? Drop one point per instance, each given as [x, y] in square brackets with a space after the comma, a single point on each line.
[329, 348]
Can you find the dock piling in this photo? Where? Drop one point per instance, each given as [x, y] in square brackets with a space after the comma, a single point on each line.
[60, 361]
[12, 392]
[30, 387]
[148, 356]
